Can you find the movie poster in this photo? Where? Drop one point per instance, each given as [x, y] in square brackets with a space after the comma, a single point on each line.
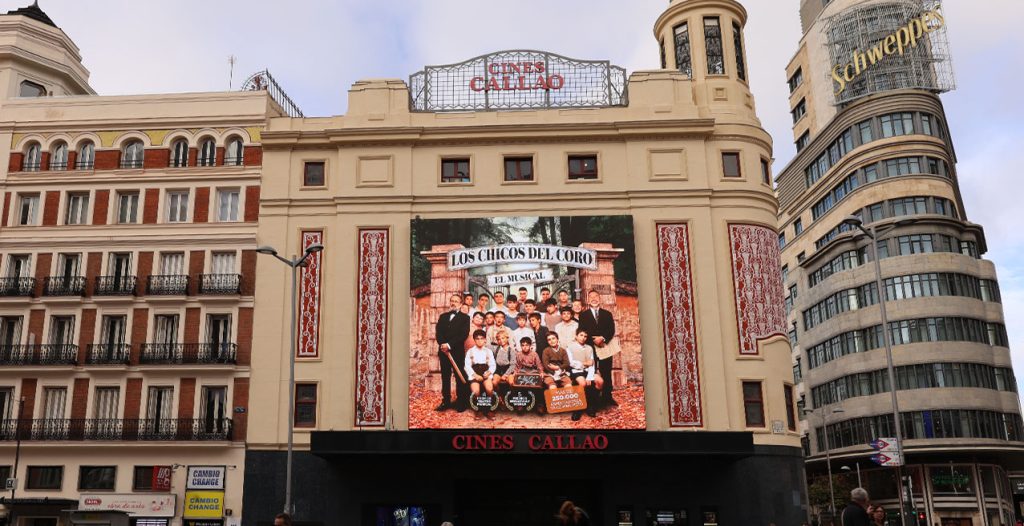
[525, 322]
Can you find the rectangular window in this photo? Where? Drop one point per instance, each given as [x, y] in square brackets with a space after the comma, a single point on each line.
[731, 164]
[865, 132]
[97, 477]
[782, 240]
[44, 477]
[166, 329]
[305, 405]
[582, 167]
[142, 478]
[313, 174]
[518, 169]
[6, 404]
[227, 205]
[796, 80]
[177, 206]
[77, 209]
[793, 291]
[790, 406]
[803, 141]
[753, 404]
[713, 44]
[737, 41]
[682, 38]
[105, 404]
[799, 111]
[766, 173]
[798, 226]
[213, 413]
[172, 263]
[455, 171]
[926, 124]
[160, 419]
[18, 266]
[896, 124]
[28, 209]
[62, 330]
[127, 208]
[222, 263]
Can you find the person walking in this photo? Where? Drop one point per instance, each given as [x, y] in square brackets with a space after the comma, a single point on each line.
[282, 519]
[878, 516]
[855, 513]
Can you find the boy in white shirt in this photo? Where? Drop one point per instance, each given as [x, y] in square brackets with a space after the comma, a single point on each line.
[582, 369]
[523, 331]
[566, 328]
[480, 367]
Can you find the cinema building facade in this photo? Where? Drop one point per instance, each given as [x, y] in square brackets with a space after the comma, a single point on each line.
[642, 205]
[874, 142]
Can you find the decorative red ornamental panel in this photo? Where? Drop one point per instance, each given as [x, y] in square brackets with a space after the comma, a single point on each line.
[309, 299]
[372, 327]
[757, 278]
[679, 328]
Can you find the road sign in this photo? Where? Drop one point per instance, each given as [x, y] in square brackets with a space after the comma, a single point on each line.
[11, 483]
[885, 445]
[887, 459]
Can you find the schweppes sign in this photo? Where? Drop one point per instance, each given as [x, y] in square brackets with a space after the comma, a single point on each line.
[897, 43]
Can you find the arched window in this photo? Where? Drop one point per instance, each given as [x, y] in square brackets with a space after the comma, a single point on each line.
[31, 89]
[207, 152]
[179, 153]
[86, 156]
[133, 154]
[33, 157]
[233, 157]
[59, 157]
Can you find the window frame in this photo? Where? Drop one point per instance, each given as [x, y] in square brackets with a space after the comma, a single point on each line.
[179, 159]
[206, 158]
[233, 213]
[789, 395]
[305, 173]
[167, 206]
[582, 176]
[683, 49]
[34, 219]
[33, 160]
[759, 400]
[796, 79]
[59, 161]
[519, 159]
[133, 155]
[81, 472]
[135, 210]
[82, 161]
[712, 41]
[236, 160]
[455, 161]
[82, 217]
[28, 478]
[739, 164]
[306, 402]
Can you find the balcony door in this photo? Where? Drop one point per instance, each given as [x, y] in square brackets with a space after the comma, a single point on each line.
[159, 418]
[105, 413]
[18, 267]
[222, 263]
[68, 267]
[62, 330]
[6, 407]
[218, 335]
[54, 400]
[214, 411]
[120, 268]
[172, 264]
[10, 339]
[112, 335]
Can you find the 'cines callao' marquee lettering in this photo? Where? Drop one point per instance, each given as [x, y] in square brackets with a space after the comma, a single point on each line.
[896, 43]
[512, 76]
[498, 442]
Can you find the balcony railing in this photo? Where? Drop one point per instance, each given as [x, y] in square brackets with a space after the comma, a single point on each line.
[64, 285]
[114, 286]
[167, 285]
[85, 165]
[220, 284]
[45, 354]
[108, 354]
[233, 161]
[142, 429]
[131, 163]
[11, 287]
[30, 166]
[187, 353]
[58, 165]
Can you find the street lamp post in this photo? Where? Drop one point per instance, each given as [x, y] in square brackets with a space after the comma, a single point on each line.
[872, 233]
[828, 457]
[847, 468]
[294, 263]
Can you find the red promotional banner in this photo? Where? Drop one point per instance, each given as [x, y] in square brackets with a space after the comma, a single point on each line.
[161, 478]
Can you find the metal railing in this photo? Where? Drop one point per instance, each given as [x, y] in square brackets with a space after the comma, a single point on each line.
[264, 81]
[17, 286]
[63, 286]
[220, 283]
[167, 285]
[187, 353]
[85, 165]
[114, 285]
[39, 354]
[30, 167]
[131, 163]
[141, 429]
[108, 354]
[233, 161]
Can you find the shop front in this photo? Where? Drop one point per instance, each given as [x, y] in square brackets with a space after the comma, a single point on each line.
[520, 478]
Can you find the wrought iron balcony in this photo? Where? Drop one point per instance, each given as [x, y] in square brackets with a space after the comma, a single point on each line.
[131, 163]
[167, 285]
[114, 286]
[187, 353]
[220, 284]
[45, 354]
[64, 286]
[11, 287]
[108, 354]
[58, 165]
[84, 164]
[141, 429]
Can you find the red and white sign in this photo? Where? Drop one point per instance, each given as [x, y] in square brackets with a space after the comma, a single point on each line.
[513, 76]
[162, 478]
[138, 504]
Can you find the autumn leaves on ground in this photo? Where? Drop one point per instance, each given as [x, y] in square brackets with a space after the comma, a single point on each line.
[629, 414]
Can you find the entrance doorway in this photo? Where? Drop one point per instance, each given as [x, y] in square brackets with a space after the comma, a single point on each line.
[512, 502]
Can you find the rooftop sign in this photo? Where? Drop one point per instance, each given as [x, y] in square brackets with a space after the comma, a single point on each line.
[518, 79]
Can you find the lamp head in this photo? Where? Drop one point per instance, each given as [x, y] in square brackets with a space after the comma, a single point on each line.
[853, 221]
[268, 250]
[314, 248]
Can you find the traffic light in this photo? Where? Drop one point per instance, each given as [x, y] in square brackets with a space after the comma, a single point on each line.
[922, 519]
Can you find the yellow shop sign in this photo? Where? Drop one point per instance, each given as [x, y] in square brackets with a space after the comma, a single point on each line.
[204, 504]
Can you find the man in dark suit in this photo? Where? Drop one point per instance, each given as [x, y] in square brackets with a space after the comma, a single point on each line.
[451, 332]
[600, 327]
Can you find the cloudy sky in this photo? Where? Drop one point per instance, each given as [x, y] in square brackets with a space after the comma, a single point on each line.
[318, 48]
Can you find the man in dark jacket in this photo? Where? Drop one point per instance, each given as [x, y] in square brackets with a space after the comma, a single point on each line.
[451, 332]
[856, 513]
[600, 327]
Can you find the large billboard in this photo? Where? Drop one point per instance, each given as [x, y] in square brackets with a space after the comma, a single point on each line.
[525, 322]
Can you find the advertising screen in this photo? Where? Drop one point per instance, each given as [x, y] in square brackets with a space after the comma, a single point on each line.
[525, 322]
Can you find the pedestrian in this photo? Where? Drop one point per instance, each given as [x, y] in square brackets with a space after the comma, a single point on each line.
[282, 519]
[570, 514]
[856, 513]
[878, 516]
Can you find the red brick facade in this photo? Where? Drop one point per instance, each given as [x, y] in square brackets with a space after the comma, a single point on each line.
[192, 325]
[99, 211]
[28, 392]
[240, 399]
[252, 203]
[156, 158]
[51, 208]
[86, 333]
[248, 283]
[15, 163]
[7, 209]
[196, 262]
[80, 398]
[151, 207]
[93, 265]
[107, 159]
[42, 271]
[144, 271]
[252, 156]
[132, 398]
[202, 214]
[140, 328]
[187, 398]
[244, 335]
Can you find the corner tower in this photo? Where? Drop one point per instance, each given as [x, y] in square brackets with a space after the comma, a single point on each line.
[37, 59]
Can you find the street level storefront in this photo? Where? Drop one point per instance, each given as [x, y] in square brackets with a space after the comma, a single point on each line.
[516, 478]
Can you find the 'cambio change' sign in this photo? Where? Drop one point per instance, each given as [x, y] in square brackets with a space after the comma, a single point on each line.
[206, 477]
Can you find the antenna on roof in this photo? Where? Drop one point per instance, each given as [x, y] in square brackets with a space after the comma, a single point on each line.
[231, 75]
